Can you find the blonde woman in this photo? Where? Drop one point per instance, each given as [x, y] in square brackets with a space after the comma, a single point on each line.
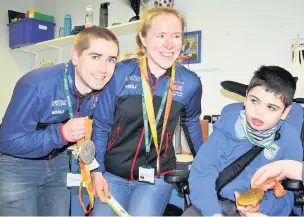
[136, 117]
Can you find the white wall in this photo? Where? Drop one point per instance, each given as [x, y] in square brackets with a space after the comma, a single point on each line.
[13, 65]
[238, 35]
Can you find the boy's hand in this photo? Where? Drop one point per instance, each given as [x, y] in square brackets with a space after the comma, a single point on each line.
[248, 209]
[257, 214]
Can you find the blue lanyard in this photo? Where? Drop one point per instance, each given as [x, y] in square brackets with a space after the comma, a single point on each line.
[67, 78]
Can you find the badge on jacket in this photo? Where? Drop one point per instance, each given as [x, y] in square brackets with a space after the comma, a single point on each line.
[271, 152]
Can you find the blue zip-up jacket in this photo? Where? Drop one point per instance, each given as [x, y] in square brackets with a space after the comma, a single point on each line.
[118, 131]
[39, 99]
[227, 143]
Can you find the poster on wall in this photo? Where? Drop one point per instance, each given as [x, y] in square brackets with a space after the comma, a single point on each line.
[191, 49]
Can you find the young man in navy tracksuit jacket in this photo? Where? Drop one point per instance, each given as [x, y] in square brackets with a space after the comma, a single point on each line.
[40, 121]
[268, 102]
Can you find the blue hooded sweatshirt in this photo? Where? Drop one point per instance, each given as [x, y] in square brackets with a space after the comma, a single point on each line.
[227, 143]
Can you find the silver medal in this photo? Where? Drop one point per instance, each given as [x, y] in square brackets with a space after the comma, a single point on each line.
[87, 152]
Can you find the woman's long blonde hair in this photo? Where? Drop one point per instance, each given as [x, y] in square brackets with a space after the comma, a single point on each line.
[144, 25]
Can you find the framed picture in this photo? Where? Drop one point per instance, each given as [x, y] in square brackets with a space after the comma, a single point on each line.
[191, 50]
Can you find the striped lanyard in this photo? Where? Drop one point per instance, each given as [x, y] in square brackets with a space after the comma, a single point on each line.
[84, 169]
[159, 113]
[148, 109]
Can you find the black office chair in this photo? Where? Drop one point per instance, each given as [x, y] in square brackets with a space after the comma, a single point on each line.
[179, 179]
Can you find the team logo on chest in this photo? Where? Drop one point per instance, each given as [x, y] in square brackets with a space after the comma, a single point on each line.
[271, 152]
[132, 81]
[57, 107]
[178, 88]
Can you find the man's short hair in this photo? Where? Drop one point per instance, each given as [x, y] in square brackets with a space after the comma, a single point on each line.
[82, 39]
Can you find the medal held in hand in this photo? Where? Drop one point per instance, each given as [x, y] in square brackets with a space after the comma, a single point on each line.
[85, 153]
[255, 194]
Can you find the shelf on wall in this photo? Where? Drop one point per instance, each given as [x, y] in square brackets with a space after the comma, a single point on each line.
[121, 29]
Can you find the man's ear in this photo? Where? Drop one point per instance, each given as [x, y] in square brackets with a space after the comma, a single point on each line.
[142, 39]
[74, 56]
[286, 112]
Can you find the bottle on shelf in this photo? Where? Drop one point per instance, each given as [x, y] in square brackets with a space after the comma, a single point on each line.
[67, 24]
[89, 16]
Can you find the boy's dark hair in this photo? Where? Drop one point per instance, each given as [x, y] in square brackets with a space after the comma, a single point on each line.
[276, 80]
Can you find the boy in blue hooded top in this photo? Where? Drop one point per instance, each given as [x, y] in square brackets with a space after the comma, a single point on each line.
[267, 104]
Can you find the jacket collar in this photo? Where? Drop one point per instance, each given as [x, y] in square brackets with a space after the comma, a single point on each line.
[71, 79]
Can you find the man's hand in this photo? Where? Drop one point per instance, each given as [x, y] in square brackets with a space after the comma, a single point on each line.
[100, 186]
[74, 129]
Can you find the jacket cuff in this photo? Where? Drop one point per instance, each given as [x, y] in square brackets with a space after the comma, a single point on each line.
[62, 135]
[101, 168]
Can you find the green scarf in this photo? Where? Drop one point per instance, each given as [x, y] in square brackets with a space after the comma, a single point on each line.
[259, 138]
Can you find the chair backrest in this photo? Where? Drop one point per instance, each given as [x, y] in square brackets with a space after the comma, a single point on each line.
[296, 118]
[205, 129]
